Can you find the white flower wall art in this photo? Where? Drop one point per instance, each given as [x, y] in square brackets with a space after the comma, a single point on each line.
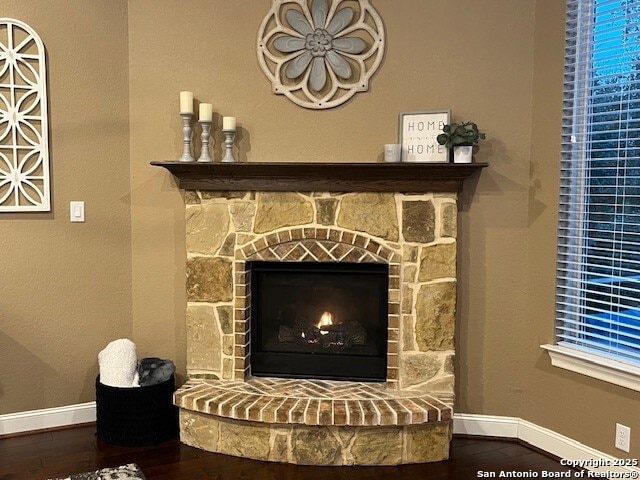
[24, 139]
[320, 53]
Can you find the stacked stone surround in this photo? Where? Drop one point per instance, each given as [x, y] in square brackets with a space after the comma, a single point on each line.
[415, 234]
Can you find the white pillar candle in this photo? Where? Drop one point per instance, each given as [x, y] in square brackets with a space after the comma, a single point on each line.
[186, 102]
[229, 123]
[206, 112]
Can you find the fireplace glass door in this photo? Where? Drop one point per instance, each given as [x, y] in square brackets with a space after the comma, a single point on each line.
[319, 320]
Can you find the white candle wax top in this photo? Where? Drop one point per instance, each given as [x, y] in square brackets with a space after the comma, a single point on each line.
[229, 123]
[186, 102]
[206, 112]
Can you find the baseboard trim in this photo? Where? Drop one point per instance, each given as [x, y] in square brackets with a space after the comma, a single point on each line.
[538, 437]
[22, 422]
[463, 424]
[485, 425]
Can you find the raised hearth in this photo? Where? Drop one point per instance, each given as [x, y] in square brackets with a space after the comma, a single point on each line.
[315, 422]
[313, 402]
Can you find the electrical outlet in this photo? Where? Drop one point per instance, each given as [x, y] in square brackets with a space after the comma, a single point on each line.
[623, 437]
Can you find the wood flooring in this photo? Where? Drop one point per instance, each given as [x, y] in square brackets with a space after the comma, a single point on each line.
[43, 455]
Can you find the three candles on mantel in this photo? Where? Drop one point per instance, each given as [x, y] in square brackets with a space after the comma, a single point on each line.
[205, 113]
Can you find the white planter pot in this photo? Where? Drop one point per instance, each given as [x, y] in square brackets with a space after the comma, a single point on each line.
[462, 154]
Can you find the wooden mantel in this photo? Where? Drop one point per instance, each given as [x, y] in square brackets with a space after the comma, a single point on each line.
[322, 177]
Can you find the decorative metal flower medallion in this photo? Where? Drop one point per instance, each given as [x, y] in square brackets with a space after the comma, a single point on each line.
[24, 144]
[320, 53]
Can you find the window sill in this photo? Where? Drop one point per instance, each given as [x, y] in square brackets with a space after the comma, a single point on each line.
[594, 366]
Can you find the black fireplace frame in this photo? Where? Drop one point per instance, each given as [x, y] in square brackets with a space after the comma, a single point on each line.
[305, 365]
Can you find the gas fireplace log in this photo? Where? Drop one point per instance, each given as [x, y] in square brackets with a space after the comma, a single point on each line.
[297, 334]
[343, 335]
[356, 332]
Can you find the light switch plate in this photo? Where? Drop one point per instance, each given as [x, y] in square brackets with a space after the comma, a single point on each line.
[76, 211]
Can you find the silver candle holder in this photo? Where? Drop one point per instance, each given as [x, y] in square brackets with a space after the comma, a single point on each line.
[228, 143]
[186, 138]
[205, 157]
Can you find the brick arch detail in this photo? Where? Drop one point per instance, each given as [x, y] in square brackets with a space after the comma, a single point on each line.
[313, 245]
[318, 244]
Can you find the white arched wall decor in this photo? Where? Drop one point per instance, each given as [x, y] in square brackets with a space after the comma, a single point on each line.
[24, 139]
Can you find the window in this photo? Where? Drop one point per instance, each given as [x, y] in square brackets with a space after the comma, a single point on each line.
[598, 293]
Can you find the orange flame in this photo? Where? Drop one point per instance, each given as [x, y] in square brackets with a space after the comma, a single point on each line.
[325, 320]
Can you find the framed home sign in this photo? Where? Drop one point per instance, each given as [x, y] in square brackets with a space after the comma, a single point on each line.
[418, 132]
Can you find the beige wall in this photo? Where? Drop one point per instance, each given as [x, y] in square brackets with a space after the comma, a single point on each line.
[498, 62]
[65, 288]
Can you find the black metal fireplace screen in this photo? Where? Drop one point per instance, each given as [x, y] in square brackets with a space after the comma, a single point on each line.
[319, 320]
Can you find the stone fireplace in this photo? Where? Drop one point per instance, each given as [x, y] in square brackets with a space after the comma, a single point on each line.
[234, 237]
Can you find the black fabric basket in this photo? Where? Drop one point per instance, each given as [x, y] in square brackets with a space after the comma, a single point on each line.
[136, 416]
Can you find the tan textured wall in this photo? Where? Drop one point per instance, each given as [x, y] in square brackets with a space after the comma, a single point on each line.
[65, 288]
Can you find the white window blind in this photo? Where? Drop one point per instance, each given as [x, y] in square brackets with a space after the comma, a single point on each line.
[598, 293]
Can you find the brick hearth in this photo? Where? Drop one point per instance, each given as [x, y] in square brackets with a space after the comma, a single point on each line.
[313, 402]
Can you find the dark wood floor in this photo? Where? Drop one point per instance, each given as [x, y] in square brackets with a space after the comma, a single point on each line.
[62, 452]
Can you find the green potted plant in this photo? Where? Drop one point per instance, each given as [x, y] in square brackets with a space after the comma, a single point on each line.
[461, 137]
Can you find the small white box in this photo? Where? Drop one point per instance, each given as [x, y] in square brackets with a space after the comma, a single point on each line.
[76, 211]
